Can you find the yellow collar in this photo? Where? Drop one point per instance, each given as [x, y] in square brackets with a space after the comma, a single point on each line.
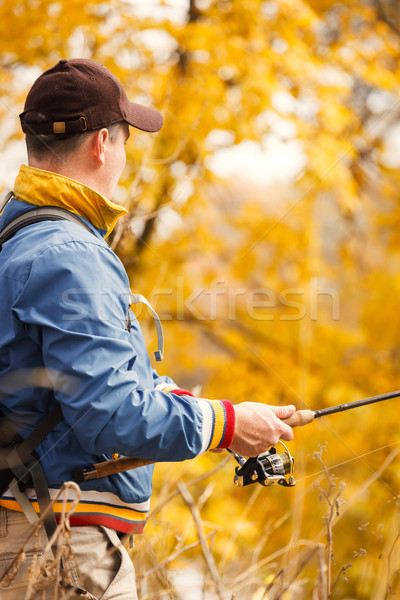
[43, 188]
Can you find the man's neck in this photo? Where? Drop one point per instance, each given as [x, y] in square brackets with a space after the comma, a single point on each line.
[75, 170]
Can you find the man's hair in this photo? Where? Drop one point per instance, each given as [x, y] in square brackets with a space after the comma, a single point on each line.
[58, 146]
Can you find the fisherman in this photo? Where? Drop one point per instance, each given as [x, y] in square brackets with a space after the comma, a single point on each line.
[65, 303]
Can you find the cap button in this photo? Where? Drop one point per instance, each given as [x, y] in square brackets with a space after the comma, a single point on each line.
[63, 61]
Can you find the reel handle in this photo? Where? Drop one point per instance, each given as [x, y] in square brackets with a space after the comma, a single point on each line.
[300, 418]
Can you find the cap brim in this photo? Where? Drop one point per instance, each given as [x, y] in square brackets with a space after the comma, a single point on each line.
[143, 117]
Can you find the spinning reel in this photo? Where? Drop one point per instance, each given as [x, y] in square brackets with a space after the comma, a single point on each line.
[267, 468]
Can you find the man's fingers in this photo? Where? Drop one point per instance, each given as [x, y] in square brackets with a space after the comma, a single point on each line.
[260, 426]
[283, 412]
[287, 434]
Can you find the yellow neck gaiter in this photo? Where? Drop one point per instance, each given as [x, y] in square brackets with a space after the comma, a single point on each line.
[43, 188]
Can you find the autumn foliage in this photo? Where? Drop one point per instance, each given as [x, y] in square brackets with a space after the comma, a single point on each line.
[286, 292]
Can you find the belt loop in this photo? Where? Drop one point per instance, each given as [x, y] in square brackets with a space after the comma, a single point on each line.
[3, 521]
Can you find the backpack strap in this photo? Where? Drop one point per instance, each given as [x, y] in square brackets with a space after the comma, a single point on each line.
[42, 213]
[5, 197]
[46, 425]
[21, 466]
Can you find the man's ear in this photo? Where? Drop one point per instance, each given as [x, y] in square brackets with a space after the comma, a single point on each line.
[98, 146]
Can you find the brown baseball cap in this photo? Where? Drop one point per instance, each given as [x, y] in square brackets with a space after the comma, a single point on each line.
[81, 95]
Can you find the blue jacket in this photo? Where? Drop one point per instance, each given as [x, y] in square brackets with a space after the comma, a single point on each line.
[65, 303]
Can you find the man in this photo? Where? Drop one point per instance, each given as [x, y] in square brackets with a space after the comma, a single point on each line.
[65, 304]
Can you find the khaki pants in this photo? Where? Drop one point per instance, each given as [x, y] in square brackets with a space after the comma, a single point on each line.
[102, 565]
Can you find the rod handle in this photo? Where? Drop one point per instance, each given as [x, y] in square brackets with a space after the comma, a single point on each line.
[300, 418]
[109, 467]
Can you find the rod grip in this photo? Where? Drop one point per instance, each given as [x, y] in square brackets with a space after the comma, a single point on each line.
[300, 418]
[109, 467]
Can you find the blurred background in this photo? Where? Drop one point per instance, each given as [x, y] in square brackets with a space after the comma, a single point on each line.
[263, 226]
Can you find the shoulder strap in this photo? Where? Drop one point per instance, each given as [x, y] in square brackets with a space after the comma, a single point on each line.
[26, 447]
[5, 196]
[46, 425]
[22, 467]
[42, 213]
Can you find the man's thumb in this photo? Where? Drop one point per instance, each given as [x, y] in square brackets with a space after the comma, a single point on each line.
[283, 412]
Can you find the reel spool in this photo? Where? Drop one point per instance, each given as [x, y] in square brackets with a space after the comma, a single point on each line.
[266, 469]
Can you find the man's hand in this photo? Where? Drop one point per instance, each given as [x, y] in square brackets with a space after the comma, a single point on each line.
[259, 426]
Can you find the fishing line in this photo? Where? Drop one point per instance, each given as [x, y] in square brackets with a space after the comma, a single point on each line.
[351, 460]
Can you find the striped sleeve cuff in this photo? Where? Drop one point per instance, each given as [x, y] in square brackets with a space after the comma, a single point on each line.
[172, 389]
[218, 423]
[218, 418]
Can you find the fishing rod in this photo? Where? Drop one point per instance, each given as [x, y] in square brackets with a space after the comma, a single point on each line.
[267, 468]
[303, 417]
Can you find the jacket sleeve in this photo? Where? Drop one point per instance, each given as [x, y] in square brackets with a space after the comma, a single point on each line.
[161, 381]
[74, 305]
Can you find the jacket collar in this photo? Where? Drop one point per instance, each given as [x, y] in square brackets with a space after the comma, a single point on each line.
[44, 188]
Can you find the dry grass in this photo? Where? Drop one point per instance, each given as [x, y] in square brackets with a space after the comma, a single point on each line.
[191, 568]
[46, 577]
[303, 569]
